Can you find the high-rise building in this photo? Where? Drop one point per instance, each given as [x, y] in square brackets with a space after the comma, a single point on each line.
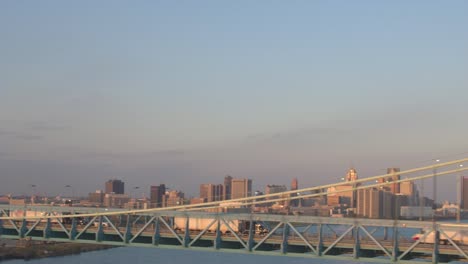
[227, 188]
[351, 175]
[408, 189]
[241, 188]
[96, 197]
[344, 193]
[115, 186]
[173, 198]
[270, 189]
[464, 192]
[369, 203]
[157, 195]
[294, 184]
[211, 192]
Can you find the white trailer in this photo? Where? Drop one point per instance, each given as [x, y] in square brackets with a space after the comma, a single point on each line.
[459, 237]
[26, 214]
[199, 224]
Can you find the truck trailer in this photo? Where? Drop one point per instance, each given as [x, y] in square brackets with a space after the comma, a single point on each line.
[199, 224]
[459, 237]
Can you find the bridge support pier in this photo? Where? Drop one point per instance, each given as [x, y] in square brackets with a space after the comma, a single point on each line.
[73, 229]
[250, 243]
[320, 240]
[187, 233]
[100, 231]
[385, 233]
[284, 243]
[23, 229]
[217, 241]
[47, 230]
[435, 252]
[156, 235]
[128, 231]
[396, 250]
[357, 246]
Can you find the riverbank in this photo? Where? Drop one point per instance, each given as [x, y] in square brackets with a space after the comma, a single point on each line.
[9, 249]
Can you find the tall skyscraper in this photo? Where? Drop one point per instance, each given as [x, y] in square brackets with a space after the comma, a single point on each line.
[394, 187]
[464, 193]
[227, 187]
[345, 193]
[115, 186]
[157, 195]
[211, 192]
[351, 175]
[294, 184]
[408, 189]
[241, 188]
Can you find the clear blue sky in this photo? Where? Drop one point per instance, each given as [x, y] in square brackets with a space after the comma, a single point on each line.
[185, 92]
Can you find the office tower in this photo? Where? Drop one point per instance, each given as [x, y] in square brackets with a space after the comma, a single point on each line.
[157, 194]
[464, 192]
[115, 186]
[408, 189]
[351, 175]
[344, 193]
[241, 188]
[115, 200]
[211, 192]
[227, 187]
[394, 187]
[218, 192]
[96, 197]
[369, 203]
[173, 198]
[294, 184]
[270, 189]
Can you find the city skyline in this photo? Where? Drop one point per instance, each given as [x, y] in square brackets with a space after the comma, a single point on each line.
[159, 92]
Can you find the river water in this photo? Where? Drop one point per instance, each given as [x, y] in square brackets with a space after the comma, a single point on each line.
[135, 255]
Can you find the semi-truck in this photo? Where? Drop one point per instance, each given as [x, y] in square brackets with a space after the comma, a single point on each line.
[199, 224]
[459, 237]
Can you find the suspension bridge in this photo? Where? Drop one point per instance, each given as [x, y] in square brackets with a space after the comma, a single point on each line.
[208, 227]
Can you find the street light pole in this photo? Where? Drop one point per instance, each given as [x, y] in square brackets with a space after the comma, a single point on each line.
[459, 193]
[434, 190]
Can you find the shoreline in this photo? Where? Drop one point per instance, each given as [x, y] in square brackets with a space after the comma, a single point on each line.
[17, 249]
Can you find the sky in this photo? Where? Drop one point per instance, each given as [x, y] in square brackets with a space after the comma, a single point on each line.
[186, 92]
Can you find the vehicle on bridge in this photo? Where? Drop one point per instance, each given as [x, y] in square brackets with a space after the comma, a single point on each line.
[26, 214]
[199, 224]
[459, 237]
